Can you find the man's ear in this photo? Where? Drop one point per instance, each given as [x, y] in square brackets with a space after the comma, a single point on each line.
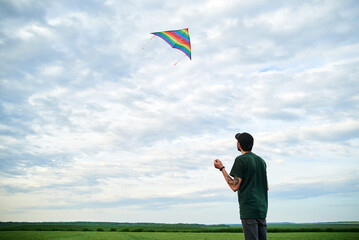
[239, 146]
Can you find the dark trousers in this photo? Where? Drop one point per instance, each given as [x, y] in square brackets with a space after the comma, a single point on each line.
[254, 228]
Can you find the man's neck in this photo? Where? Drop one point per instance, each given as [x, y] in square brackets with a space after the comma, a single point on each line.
[244, 152]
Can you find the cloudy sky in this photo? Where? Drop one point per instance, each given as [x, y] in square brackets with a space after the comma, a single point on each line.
[93, 128]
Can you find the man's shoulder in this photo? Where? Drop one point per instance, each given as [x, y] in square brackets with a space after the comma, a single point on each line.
[249, 156]
[258, 158]
[253, 155]
[240, 158]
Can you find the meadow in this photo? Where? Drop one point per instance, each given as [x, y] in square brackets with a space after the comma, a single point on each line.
[156, 231]
[179, 227]
[62, 235]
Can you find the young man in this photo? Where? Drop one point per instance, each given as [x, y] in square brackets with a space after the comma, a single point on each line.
[249, 180]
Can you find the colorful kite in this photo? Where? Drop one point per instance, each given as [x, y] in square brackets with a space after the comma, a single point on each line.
[177, 39]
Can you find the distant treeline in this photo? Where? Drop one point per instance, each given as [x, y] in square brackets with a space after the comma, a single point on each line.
[159, 227]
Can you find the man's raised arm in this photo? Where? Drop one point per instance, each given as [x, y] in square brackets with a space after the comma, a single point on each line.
[233, 183]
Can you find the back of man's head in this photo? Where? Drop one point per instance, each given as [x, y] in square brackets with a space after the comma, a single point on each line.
[245, 140]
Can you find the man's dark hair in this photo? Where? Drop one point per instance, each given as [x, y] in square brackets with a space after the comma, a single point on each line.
[245, 140]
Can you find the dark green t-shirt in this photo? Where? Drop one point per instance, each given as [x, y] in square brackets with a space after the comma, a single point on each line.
[252, 193]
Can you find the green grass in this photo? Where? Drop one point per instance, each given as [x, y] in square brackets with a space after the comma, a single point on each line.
[61, 235]
[106, 226]
[156, 227]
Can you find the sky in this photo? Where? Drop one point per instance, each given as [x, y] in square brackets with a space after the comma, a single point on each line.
[95, 128]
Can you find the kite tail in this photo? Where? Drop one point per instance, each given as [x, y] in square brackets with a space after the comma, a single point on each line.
[148, 42]
[179, 60]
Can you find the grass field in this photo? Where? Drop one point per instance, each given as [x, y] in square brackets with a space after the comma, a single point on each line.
[180, 227]
[60, 235]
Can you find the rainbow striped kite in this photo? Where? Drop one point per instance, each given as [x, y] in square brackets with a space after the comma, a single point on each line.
[177, 39]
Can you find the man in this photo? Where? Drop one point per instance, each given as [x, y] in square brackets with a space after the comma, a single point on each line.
[249, 180]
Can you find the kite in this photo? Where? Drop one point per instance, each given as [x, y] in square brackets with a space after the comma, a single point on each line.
[178, 39]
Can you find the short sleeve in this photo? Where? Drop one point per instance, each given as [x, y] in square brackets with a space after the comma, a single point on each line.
[237, 168]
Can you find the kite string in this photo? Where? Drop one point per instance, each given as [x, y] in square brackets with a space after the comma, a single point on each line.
[179, 60]
[148, 42]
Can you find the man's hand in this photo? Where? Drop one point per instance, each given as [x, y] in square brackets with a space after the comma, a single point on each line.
[218, 164]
